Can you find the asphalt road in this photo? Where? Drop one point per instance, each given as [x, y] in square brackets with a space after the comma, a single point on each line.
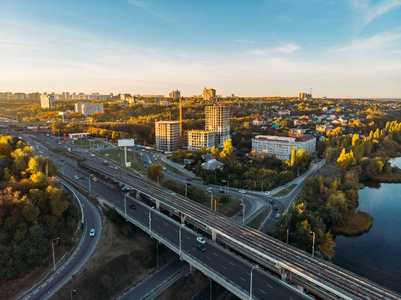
[86, 245]
[222, 262]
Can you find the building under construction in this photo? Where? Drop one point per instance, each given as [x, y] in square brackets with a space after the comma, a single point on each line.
[217, 119]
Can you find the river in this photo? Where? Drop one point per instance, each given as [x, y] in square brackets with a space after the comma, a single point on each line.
[376, 254]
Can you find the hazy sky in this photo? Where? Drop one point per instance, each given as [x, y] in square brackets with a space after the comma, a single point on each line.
[339, 48]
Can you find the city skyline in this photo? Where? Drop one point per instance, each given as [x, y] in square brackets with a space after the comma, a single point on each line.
[348, 49]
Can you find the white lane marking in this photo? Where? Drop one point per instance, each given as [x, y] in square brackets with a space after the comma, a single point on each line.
[215, 254]
[208, 257]
[225, 268]
[270, 287]
[243, 279]
[231, 263]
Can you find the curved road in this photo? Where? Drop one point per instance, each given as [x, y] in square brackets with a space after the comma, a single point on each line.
[86, 245]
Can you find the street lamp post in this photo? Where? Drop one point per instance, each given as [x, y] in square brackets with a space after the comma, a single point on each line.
[228, 183]
[243, 210]
[262, 184]
[62, 169]
[125, 204]
[150, 220]
[250, 290]
[243, 213]
[313, 245]
[179, 237]
[211, 200]
[54, 258]
[72, 291]
[90, 188]
[186, 189]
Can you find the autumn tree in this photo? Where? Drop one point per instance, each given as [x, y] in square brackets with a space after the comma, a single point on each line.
[155, 172]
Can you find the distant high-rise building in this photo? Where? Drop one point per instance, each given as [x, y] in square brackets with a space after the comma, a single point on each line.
[209, 94]
[175, 94]
[305, 96]
[168, 135]
[47, 101]
[217, 119]
[88, 108]
[201, 138]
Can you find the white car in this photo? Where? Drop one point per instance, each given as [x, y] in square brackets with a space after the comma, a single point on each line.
[241, 191]
[278, 216]
[92, 232]
[92, 154]
[164, 168]
[201, 240]
[267, 193]
[76, 177]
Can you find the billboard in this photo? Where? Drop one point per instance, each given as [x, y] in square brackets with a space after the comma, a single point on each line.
[126, 143]
[128, 164]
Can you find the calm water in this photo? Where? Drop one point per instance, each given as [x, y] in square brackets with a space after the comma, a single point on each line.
[376, 254]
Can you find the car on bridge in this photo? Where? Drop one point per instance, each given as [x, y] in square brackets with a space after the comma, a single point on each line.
[94, 179]
[125, 188]
[201, 240]
[271, 201]
[76, 177]
[278, 216]
[132, 206]
[200, 247]
[267, 193]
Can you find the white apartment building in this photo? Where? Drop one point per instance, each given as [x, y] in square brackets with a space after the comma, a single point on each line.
[47, 101]
[201, 138]
[168, 135]
[282, 146]
[217, 119]
[88, 108]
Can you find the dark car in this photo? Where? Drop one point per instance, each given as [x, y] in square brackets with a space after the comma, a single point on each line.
[241, 213]
[222, 191]
[189, 179]
[200, 247]
[83, 177]
[132, 206]
[271, 201]
[275, 207]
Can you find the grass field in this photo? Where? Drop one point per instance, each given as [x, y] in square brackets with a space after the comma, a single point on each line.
[88, 143]
[117, 156]
[255, 224]
[285, 192]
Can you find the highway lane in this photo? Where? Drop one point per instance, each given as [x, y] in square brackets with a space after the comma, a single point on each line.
[298, 258]
[86, 245]
[216, 258]
[252, 202]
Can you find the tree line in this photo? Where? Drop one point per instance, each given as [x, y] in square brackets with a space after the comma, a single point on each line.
[33, 209]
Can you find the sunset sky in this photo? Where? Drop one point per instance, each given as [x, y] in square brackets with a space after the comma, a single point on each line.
[342, 48]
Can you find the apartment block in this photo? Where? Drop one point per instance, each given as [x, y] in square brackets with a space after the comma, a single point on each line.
[201, 138]
[217, 119]
[209, 94]
[47, 101]
[168, 135]
[282, 146]
[88, 108]
[175, 94]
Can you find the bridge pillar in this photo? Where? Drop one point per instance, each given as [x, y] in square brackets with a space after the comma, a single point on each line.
[214, 235]
[286, 275]
[157, 204]
[191, 269]
[182, 217]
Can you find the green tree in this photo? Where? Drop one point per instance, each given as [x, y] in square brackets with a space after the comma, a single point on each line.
[155, 172]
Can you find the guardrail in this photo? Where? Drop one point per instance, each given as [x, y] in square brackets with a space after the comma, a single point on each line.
[198, 265]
